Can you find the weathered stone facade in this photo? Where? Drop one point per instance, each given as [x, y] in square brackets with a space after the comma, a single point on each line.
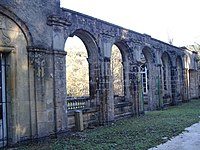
[32, 39]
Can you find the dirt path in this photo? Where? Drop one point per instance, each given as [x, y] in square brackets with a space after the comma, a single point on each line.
[188, 140]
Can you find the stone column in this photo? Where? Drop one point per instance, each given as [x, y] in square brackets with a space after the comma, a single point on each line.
[59, 25]
[135, 89]
[186, 84]
[185, 73]
[41, 94]
[198, 78]
[94, 71]
[153, 83]
[174, 84]
[159, 86]
[106, 90]
[126, 72]
[60, 108]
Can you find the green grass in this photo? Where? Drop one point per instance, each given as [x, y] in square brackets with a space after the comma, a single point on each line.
[137, 133]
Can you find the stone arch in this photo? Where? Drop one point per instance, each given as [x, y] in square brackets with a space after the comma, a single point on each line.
[117, 73]
[122, 103]
[89, 42]
[14, 39]
[166, 78]
[147, 74]
[180, 89]
[148, 54]
[93, 62]
[77, 68]
[4, 11]
[123, 47]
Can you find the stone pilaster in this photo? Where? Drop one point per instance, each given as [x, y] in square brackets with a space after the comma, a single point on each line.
[49, 115]
[59, 24]
[135, 89]
[106, 91]
[60, 108]
[94, 76]
[106, 94]
[41, 94]
[153, 94]
[174, 84]
[159, 88]
[186, 84]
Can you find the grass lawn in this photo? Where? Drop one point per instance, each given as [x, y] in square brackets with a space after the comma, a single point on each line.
[137, 133]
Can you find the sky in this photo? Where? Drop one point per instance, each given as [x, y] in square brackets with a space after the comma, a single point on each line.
[161, 19]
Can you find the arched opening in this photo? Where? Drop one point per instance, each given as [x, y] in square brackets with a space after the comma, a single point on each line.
[144, 79]
[82, 70]
[3, 101]
[146, 75]
[117, 71]
[193, 84]
[120, 71]
[179, 79]
[14, 79]
[77, 68]
[120, 82]
[166, 79]
[145, 60]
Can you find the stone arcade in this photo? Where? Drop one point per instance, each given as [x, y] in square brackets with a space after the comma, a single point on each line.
[34, 101]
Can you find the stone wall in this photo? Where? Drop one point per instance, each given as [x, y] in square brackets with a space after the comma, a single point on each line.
[34, 16]
[32, 38]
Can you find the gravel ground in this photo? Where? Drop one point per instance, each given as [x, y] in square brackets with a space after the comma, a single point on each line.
[188, 140]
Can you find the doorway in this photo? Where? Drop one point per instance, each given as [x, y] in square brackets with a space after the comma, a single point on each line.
[3, 102]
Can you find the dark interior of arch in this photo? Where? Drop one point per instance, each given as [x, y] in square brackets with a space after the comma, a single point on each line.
[179, 61]
[166, 59]
[147, 54]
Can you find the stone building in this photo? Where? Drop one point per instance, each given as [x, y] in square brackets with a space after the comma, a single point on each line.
[34, 101]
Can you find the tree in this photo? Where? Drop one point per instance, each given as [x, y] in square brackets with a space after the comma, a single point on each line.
[77, 72]
[117, 71]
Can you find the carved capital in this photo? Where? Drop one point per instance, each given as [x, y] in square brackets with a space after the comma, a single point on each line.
[106, 38]
[37, 58]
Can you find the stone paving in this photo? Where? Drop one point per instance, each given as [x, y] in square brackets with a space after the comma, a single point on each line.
[188, 140]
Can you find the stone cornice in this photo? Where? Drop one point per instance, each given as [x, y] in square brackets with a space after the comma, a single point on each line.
[6, 49]
[58, 21]
[47, 51]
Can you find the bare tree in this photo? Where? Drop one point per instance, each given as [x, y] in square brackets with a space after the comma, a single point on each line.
[77, 70]
[117, 71]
